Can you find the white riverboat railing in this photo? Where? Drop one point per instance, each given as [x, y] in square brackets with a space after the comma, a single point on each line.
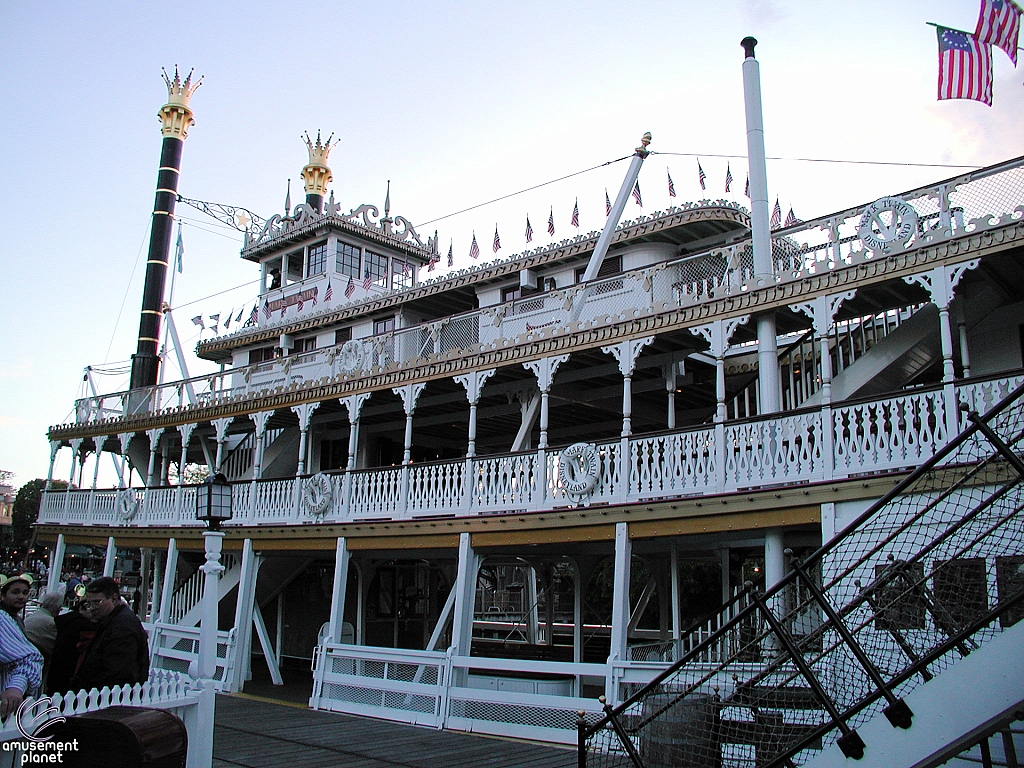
[953, 208]
[806, 446]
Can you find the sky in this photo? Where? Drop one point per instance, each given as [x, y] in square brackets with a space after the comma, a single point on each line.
[455, 104]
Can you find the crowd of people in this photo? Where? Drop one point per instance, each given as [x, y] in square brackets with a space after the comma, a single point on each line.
[79, 637]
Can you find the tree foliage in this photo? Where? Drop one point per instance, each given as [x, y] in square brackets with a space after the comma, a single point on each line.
[26, 507]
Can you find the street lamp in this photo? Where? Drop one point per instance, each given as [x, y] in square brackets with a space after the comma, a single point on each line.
[213, 507]
[213, 501]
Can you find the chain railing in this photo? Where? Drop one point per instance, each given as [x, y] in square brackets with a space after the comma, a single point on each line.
[924, 577]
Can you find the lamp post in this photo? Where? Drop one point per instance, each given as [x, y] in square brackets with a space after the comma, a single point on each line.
[213, 507]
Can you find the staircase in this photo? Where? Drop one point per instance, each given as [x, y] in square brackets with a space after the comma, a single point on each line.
[896, 644]
[238, 464]
[186, 602]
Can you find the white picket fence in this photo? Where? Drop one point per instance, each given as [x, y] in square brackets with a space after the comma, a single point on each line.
[191, 700]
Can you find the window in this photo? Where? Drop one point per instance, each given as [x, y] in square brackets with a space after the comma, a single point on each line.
[260, 354]
[307, 344]
[897, 596]
[961, 592]
[377, 268]
[612, 265]
[294, 261]
[511, 293]
[384, 325]
[342, 335]
[347, 260]
[317, 263]
[401, 274]
[1009, 581]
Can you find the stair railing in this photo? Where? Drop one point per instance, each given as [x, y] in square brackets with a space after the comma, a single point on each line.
[926, 552]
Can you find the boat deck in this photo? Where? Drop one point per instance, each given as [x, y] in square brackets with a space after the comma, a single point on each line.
[254, 733]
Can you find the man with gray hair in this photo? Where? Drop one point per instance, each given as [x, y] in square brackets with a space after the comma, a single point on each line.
[40, 628]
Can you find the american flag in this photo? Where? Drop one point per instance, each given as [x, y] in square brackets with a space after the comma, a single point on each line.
[451, 259]
[198, 320]
[728, 177]
[266, 309]
[776, 221]
[746, 188]
[636, 194]
[791, 218]
[227, 323]
[551, 222]
[496, 245]
[529, 230]
[239, 318]
[701, 176]
[254, 316]
[607, 203]
[216, 321]
[671, 184]
[350, 288]
[434, 258]
[576, 214]
[965, 67]
[474, 249]
[367, 282]
[329, 293]
[999, 24]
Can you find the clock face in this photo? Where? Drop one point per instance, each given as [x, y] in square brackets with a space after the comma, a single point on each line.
[887, 223]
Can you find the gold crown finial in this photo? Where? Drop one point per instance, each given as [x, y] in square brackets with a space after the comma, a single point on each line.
[316, 174]
[176, 115]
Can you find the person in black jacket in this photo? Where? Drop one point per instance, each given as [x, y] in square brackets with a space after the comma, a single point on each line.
[75, 630]
[119, 651]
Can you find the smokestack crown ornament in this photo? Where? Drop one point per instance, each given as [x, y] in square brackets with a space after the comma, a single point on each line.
[316, 175]
[175, 114]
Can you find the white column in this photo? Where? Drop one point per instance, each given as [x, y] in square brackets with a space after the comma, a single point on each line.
[577, 616]
[156, 583]
[774, 557]
[55, 445]
[474, 385]
[98, 446]
[677, 619]
[56, 563]
[76, 447]
[342, 557]
[718, 334]
[154, 444]
[170, 572]
[221, 427]
[213, 542]
[185, 430]
[410, 393]
[626, 354]
[354, 406]
[305, 414]
[465, 595]
[243, 614]
[620, 593]
[544, 369]
[260, 419]
[111, 557]
[965, 357]
[670, 389]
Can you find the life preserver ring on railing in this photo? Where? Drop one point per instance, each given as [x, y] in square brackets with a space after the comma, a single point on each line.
[578, 467]
[317, 494]
[351, 358]
[887, 223]
[127, 504]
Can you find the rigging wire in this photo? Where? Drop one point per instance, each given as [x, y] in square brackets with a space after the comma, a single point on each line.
[521, 191]
[189, 222]
[213, 295]
[826, 160]
[125, 299]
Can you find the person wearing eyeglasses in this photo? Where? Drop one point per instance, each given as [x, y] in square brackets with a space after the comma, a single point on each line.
[21, 665]
[119, 651]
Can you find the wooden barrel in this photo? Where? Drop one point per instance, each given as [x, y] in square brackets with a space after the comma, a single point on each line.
[684, 734]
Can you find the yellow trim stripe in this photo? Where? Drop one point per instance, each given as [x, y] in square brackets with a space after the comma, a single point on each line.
[168, 168]
[163, 213]
[148, 338]
[151, 312]
[156, 261]
[168, 191]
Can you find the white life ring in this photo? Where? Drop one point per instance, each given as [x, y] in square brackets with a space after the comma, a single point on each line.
[352, 356]
[578, 467]
[317, 493]
[881, 234]
[127, 504]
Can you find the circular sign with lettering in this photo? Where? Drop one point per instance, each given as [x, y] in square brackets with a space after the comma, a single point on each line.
[352, 356]
[127, 504]
[887, 222]
[317, 494]
[577, 469]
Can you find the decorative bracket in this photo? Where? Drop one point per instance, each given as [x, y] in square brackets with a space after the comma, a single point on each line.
[154, 437]
[718, 333]
[626, 353]
[941, 282]
[305, 413]
[260, 419]
[354, 404]
[125, 438]
[185, 430]
[410, 393]
[822, 310]
[221, 426]
[474, 383]
[544, 369]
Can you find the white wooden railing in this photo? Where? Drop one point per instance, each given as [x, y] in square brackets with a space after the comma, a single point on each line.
[524, 699]
[173, 691]
[805, 446]
[175, 648]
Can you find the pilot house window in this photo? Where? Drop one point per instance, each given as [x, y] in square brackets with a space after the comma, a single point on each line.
[317, 259]
[347, 260]
[377, 268]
